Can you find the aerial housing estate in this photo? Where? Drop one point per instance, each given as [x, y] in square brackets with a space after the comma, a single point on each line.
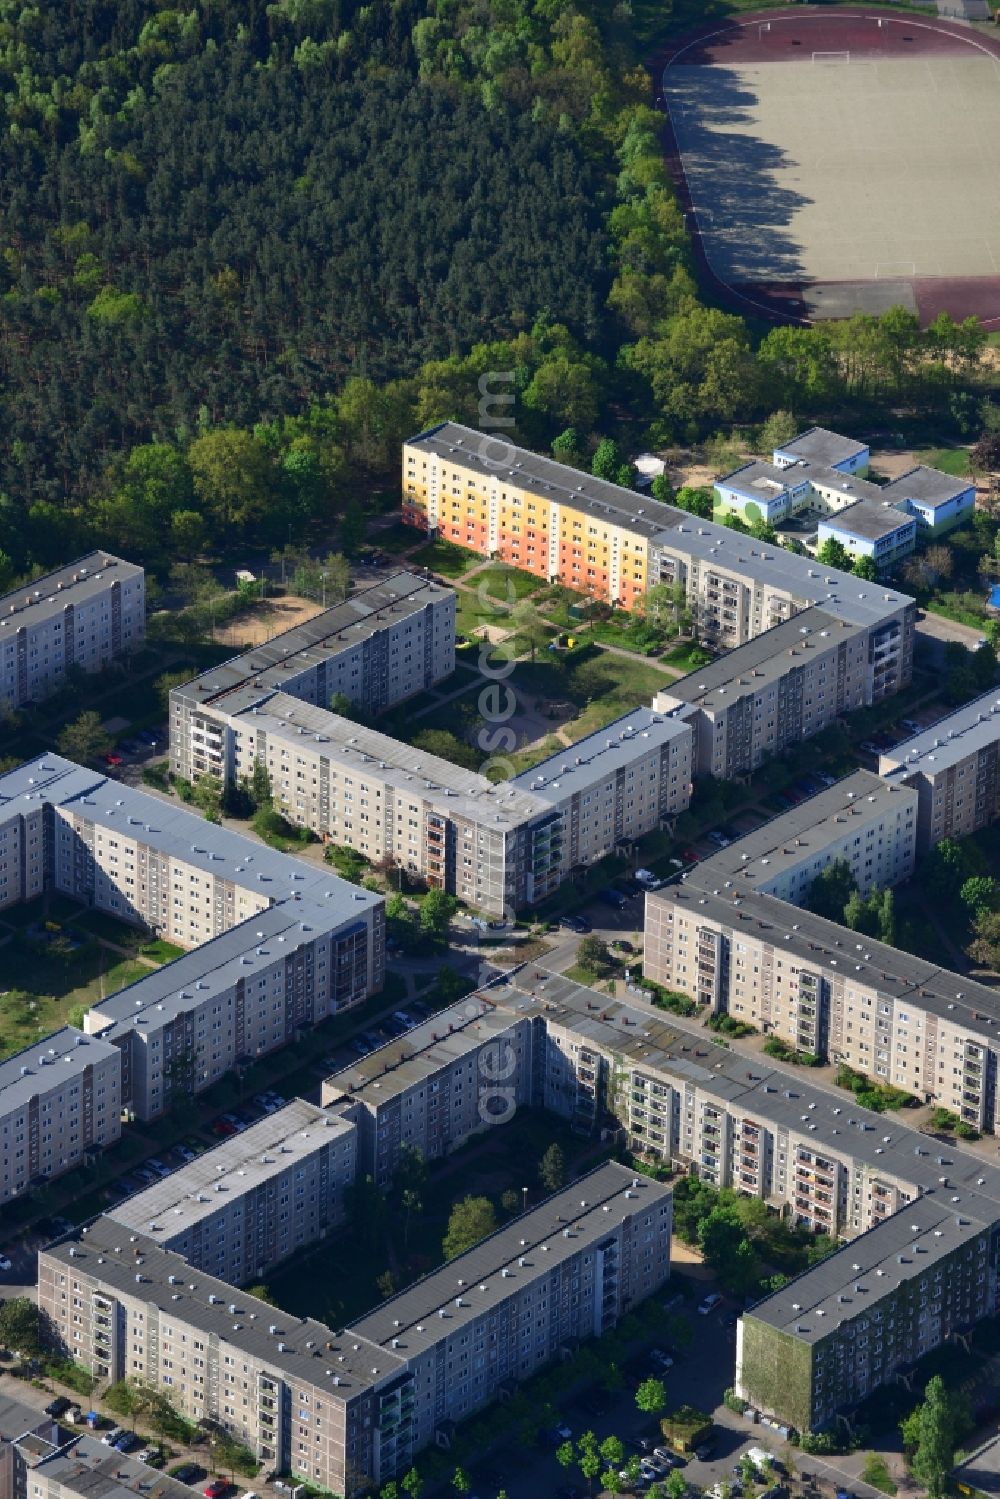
[346, 1410]
[82, 615]
[276, 945]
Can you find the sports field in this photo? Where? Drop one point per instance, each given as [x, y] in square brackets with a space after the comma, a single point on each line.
[843, 160]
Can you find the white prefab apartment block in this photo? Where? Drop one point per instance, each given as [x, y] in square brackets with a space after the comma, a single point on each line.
[60, 1100]
[463, 1071]
[83, 615]
[347, 1410]
[382, 645]
[778, 689]
[279, 943]
[237, 1210]
[953, 767]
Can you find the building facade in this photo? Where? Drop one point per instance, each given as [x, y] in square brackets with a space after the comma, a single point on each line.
[953, 767]
[838, 1332]
[382, 645]
[482, 492]
[84, 615]
[346, 1411]
[773, 692]
[459, 1073]
[239, 1209]
[60, 1104]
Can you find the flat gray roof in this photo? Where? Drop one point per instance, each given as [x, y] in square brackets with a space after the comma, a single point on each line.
[527, 1247]
[839, 951]
[821, 446]
[315, 640]
[928, 485]
[981, 1471]
[589, 761]
[238, 1165]
[16, 1418]
[759, 479]
[422, 1053]
[968, 730]
[664, 526]
[847, 1283]
[802, 832]
[352, 746]
[213, 968]
[765, 659]
[76, 583]
[173, 831]
[497, 458]
[62, 1054]
[870, 519]
[309, 1350]
[85, 1466]
[829, 1120]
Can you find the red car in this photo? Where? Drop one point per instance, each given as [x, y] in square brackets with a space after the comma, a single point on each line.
[223, 1127]
[215, 1489]
[112, 759]
[690, 856]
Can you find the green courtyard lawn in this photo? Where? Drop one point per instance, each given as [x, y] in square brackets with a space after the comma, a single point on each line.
[444, 557]
[337, 1281]
[687, 656]
[396, 538]
[949, 460]
[47, 989]
[601, 685]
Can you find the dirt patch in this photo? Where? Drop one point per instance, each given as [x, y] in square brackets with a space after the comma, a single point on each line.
[266, 619]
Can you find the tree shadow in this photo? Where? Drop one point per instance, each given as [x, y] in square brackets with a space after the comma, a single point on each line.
[742, 209]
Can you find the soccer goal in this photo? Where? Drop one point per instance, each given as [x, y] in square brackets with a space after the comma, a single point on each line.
[831, 57]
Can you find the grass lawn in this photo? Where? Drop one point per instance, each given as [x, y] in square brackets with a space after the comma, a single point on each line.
[444, 557]
[950, 460]
[396, 538]
[55, 987]
[687, 657]
[108, 929]
[507, 584]
[161, 951]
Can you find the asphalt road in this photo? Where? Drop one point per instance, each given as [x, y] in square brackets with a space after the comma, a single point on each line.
[933, 631]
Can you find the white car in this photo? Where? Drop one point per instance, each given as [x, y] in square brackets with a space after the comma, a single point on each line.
[709, 1304]
[5, 1262]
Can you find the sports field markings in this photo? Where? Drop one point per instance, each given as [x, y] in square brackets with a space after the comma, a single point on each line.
[831, 57]
[894, 270]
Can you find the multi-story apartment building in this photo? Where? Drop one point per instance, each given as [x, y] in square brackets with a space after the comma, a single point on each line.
[497, 845]
[833, 992]
[346, 1411]
[484, 493]
[460, 1072]
[627, 779]
[302, 1397]
[280, 944]
[836, 1333]
[382, 645]
[778, 689]
[860, 821]
[60, 1100]
[241, 995]
[83, 615]
[953, 768]
[237, 1210]
[133, 855]
[564, 1272]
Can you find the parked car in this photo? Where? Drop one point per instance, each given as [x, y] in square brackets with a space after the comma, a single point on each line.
[572, 923]
[405, 1020]
[109, 1438]
[185, 1473]
[112, 759]
[223, 1127]
[155, 1164]
[711, 1301]
[910, 724]
[825, 777]
[621, 945]
[719, 838]
[127, 1442]
[668, 1457]
[661, 1358]
[184, 1152]
[149, 1455]
[5, 1263]
[215, 1489]
[58, 1407]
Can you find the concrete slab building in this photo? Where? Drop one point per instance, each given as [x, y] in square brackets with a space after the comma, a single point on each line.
[382, 645]
[60, 1104]
[83, 615]
[778, 689]
[239, 1209]
[952, 766]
